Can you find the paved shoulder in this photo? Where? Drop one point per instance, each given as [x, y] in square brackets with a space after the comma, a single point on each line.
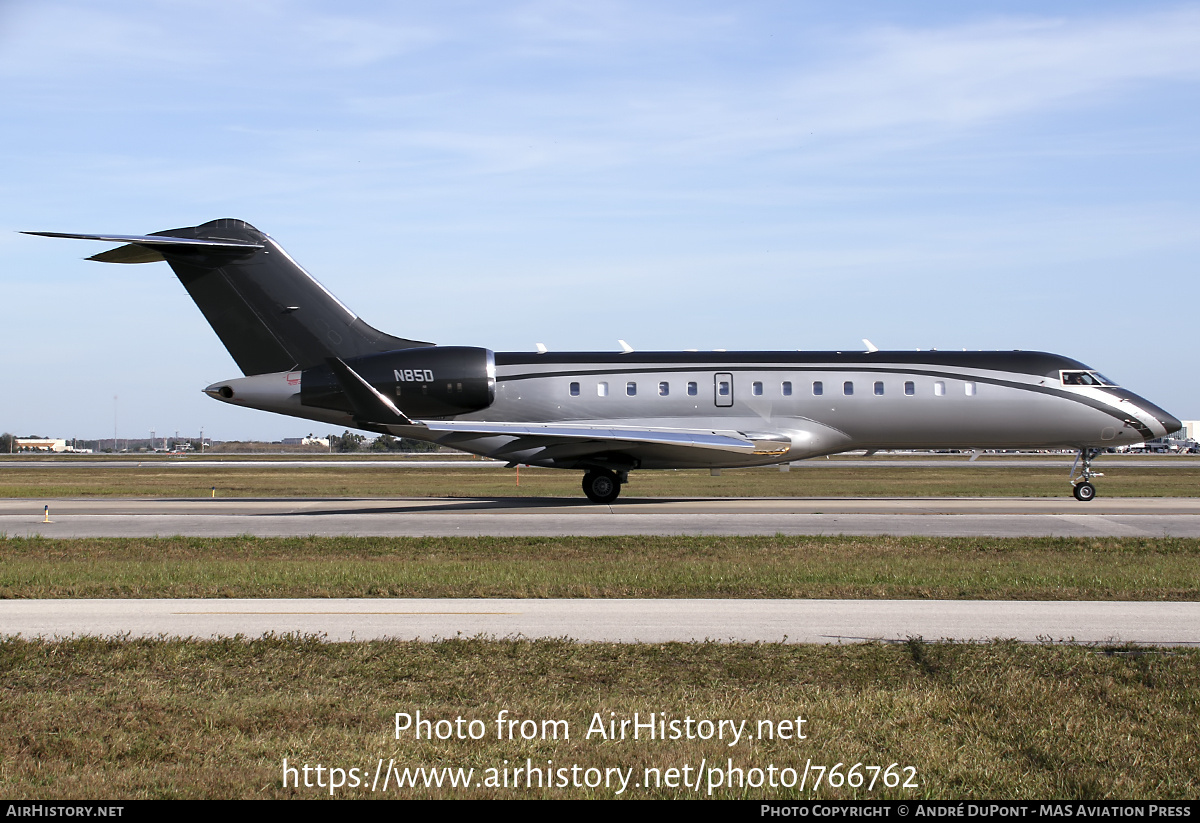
[425, 517]
[654, 621]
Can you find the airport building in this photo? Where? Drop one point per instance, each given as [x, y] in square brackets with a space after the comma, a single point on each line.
[39, 444]
[305, 441]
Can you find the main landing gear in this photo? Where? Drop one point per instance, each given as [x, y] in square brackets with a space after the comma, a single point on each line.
[602, 485]
[1084, 490]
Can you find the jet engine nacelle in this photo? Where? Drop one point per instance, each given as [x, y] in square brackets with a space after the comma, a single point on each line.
[430, 381]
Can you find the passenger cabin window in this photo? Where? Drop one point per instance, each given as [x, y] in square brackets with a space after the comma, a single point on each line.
[848, 388]
[756, 388]
[631, 389]
[970, 389]
[602, 389]
[664, 389]
[723, 388]
[939, 388]
[693, 389]
[910, 388]
[818, 388]
[574, 389]
[878, 387]
[787, 388]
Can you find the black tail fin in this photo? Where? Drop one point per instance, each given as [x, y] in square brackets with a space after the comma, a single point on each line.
[269, 312]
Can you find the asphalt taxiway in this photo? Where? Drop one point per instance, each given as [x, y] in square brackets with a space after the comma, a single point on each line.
[596, 620]
[549, 517]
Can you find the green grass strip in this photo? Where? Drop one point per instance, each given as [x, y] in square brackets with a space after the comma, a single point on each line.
[116, 719]
[632, 566]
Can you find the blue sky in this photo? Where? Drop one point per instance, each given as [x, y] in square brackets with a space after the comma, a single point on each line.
[774, 175]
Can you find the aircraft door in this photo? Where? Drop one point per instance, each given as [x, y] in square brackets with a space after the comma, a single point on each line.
[723, 388]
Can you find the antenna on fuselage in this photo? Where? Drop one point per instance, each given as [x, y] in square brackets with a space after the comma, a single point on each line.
[625, 347]
[541, 347]
[871, 347]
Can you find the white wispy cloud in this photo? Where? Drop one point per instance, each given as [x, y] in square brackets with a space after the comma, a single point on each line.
[979, 72]
[884, 90]
[899, 87]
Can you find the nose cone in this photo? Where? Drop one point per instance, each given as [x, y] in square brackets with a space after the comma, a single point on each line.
[1169, 422]
[1151, 421]
[1172, 424]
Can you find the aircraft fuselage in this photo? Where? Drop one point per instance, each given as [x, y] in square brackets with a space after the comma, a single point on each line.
[822, 402]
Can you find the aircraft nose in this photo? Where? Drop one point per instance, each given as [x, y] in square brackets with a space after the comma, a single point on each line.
[1169, 422]
[1172, 424]
[1152, 416]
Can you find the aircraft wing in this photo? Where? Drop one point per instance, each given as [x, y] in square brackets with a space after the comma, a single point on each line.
[524, 442]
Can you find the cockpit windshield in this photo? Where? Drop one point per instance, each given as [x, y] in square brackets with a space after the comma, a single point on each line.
[1085, 378]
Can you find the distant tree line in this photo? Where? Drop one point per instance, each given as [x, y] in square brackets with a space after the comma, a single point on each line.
[351, 442]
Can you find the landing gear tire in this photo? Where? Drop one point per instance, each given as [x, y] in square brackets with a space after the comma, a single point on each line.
[1084, 490]
[601, 486]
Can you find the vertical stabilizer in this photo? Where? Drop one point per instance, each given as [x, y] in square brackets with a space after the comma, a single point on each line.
[269, 312]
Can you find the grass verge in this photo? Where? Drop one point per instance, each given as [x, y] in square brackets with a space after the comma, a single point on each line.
[114, 719]
[633, 566]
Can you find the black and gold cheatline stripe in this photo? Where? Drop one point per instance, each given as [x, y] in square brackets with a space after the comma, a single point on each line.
[744, 365]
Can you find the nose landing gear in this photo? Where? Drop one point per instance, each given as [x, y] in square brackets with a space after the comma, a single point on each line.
[1084, 490]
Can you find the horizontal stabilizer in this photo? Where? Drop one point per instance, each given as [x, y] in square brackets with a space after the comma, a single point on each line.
[155, 240]
[130, 253]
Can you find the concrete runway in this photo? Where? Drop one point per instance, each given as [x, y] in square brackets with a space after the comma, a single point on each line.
[550, 517]
[650, 621]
